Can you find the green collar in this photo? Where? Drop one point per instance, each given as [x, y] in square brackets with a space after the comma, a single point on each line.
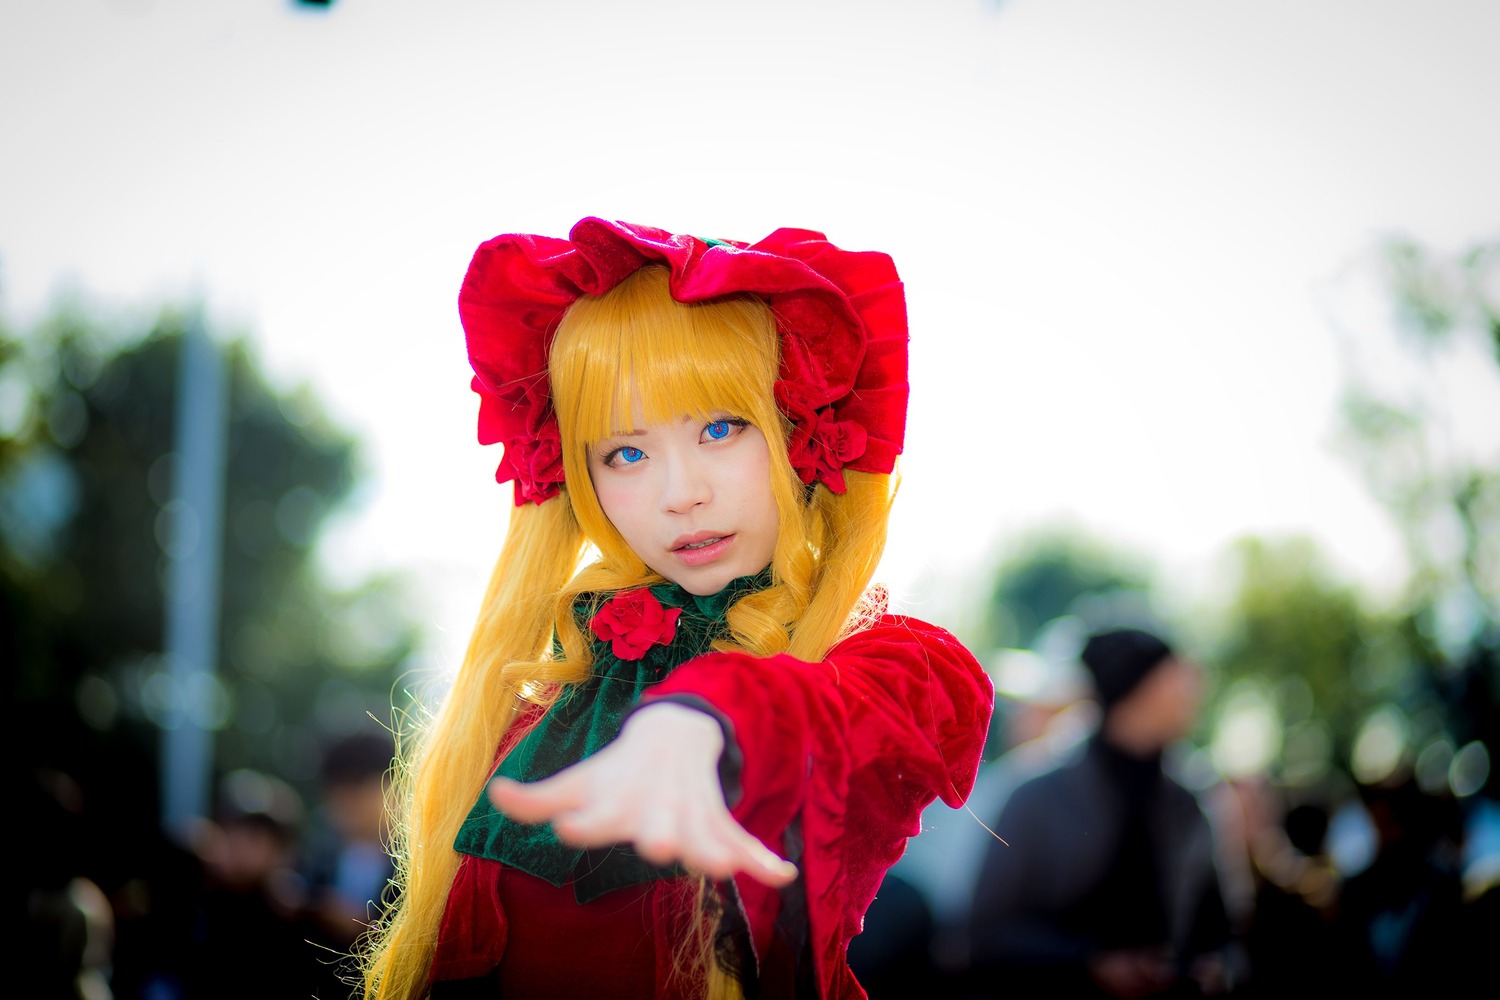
[584, 719]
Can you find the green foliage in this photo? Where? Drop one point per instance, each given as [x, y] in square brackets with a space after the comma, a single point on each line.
[1436, 299]
[1296, 632]
[1425, 457]
[1290, 617]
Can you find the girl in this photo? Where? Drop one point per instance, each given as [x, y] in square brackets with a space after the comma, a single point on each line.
[710, 742]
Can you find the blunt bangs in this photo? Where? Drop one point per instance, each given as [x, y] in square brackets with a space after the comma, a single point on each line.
[637, 351]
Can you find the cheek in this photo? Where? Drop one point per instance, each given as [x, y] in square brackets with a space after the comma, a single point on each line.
[770, 514]
[616, 499]
[614, 494]
[755, 485]
[755, 464]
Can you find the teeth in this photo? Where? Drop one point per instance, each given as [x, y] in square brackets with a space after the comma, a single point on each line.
[705, 542]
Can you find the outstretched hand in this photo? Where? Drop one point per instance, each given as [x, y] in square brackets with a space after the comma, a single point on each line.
[655, 787]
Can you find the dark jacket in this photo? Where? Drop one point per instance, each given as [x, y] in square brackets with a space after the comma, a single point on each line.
[1105, 852]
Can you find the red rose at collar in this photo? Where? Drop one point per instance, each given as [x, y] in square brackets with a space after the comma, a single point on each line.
[633, 621]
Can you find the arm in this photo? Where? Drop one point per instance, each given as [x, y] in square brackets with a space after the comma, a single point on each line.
[655, 786]
[893, 717]
[847, 752]
[858, 743]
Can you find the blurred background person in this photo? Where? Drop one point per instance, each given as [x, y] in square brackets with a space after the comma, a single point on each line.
[249, 938]
[1401, 925]
[67, 933]
[1293, 890]
[346, 864]
[1108, 885]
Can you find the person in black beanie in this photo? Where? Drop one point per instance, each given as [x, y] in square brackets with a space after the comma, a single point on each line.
[1105, 885]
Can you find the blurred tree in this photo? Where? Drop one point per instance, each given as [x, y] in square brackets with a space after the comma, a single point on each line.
[85, 505]
[1049, 576]
[1300, 647]
[1421, 421]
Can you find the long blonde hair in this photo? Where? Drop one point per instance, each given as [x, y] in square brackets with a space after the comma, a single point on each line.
[632, 349]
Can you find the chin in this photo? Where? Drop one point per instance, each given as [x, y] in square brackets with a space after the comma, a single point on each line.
[709, 581]
[705, 586]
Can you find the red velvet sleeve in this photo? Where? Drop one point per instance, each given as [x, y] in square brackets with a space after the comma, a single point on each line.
[854, 747]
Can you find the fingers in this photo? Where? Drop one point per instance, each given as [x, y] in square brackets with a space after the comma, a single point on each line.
[539, 801]
[704, 841]
[572, 802]
[596, 824]
[661, 836]
[760, 862]
[718, 847]
[671, 811]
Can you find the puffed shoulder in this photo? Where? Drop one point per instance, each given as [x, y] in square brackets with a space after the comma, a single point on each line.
[890, 632]
[900, 690]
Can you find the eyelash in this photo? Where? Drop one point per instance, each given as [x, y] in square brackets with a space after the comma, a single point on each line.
[734, 422]
[608, 458]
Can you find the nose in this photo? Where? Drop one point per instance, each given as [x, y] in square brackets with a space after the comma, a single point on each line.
[685, 486]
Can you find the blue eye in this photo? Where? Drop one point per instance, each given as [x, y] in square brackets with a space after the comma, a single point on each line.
[719, 430]
[630, 455]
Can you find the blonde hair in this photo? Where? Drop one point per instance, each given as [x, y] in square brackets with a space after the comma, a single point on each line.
[632, 350]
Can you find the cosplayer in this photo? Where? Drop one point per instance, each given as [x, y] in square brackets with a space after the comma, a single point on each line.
[708, 740]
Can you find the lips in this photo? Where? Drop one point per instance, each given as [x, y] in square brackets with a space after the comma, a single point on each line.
[701, 547]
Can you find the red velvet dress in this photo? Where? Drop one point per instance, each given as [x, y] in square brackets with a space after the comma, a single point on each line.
[838, 759]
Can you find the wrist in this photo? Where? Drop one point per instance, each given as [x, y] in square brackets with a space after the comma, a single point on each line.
[731, 759]
[686, 727]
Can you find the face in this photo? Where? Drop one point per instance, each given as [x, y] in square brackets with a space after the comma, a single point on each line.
[1169, 696]
[692, 498]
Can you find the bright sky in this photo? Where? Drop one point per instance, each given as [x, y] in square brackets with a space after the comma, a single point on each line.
[1118, 224]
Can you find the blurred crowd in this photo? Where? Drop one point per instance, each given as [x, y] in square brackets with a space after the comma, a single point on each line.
[1092, 859]
[263, 899]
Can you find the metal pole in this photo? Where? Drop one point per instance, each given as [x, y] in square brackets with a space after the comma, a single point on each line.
[192, 599]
